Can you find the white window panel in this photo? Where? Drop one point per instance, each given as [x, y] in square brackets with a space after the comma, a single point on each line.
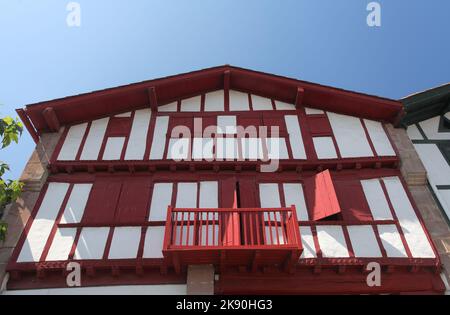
[412, 229]
[284, 106]
[127, 114]
[261, 103]
[113, 148]
[269, 196]
[94, 140]
[350, 136]
[161, 199]
[178, 149]
[239, 101]
[226, 124]
[309, 249]
[293, 195]
[277, 149]
[252, 148]
[436, 165]
[92, 242]
[376, 199]
[137, 140]
[364, 241]
[72, 142]
[332, 241]
[379, 138]
[324, 147]
[214, 101]
[313, 111]
[43, 223]
[391, 240]
[191, 104]
[227, 149]
[209, 194]
[202, 148]
[61, 244]
[125, 242]
[154, 239]
[172, 107]
[159, 138]
[295, 137]
[76, 204]
[186, 195]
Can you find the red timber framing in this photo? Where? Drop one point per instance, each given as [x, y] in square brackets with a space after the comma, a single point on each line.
[131, 209]
[257, 241]
[312, 127]
[89, 106]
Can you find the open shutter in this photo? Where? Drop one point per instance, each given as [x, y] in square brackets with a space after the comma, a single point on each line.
[230, 222]
[321, 196]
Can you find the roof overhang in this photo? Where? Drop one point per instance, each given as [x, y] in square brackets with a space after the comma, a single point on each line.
[426, 104]
[41, 116]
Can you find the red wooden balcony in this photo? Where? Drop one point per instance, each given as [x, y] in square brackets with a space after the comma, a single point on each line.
[232, 237]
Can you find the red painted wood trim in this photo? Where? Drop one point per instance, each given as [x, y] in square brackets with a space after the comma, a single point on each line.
[348, 242]
[152, 99]
[27, 122]
[51, 118]
[299, 97]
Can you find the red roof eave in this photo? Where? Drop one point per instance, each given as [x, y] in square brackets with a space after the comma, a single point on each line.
[88, 106]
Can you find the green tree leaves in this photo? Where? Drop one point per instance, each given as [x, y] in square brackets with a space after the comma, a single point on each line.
[10, 131]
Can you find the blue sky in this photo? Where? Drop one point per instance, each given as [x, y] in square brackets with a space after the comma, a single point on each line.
[120, 42]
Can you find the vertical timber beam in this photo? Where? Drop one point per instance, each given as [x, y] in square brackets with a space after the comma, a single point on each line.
[152, 98]
[299, 97]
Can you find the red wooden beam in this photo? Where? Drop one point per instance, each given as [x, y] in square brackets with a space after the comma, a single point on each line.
[51, 119]
[299, 97]
[226, 80]
[26, 121]
[152, 98]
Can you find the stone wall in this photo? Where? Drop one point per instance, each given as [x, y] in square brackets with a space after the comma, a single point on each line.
[34, 176]
[415, 175]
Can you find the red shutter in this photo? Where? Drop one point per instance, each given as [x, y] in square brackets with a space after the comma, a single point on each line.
[321, 196]
[353, 200]
[319, 126]
[230, 222]
[102, 202]
[134, 199]
[118, 127]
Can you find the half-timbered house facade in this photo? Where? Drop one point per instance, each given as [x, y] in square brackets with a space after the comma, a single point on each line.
[274, 185]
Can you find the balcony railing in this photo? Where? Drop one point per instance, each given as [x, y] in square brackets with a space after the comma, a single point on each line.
[232, 236]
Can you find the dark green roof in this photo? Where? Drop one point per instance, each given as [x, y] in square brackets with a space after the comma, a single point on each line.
[426, 104]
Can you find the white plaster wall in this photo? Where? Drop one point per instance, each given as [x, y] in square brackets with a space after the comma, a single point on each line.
[163, 289]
